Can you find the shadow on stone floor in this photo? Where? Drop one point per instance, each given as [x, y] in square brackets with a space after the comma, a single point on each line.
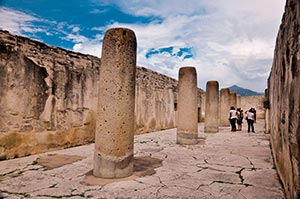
[143, 166]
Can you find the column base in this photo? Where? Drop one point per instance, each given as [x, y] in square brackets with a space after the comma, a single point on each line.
[187, 138]
[112, 168]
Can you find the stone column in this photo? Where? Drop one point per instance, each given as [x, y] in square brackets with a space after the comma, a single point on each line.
[211, 124]
[187, 126]
[113, 157]
[233, 99]
[238, 101]
[224, 106]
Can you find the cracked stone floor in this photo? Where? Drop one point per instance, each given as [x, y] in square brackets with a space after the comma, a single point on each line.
[228, 165]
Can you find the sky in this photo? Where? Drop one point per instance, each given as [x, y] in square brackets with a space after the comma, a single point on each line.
[231, 41]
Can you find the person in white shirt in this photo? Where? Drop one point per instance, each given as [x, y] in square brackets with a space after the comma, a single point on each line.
[251, 119]
[232, 118]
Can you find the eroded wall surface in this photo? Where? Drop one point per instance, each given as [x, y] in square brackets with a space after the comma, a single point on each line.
[155, 101]
[284, 98]
[48, 97]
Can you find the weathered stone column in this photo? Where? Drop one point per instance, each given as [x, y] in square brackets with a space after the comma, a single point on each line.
[187, 126]
[233, 99]
[238, 101]
[211, 124]
[113, 157]
[224, 106]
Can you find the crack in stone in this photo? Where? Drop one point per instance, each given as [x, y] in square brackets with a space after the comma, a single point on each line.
[11, 172]
[160, 181]
[251, 163]
[21, 194]
[222, 182]
[82, 195]
[206, 167]
[19, 171]
[216, 164]
[158, 190]
[91, 196]
[182, 187]
[139, 181]
[253, 167]
[240, 175]
[53, 186]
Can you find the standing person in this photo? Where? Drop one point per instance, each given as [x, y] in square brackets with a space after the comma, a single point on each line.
[232, 118]
[254, 111]
[251, 119]
[240, 119]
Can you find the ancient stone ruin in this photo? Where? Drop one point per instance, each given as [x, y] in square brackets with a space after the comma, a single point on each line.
[211, 124]
[48, 98]
[187, 127]
[51, 98]
[284, 101]
[233, 100]
[115, 112]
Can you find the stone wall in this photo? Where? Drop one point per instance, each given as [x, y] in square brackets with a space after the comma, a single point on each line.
[256, 102]
[284, 100]
[155, 101]
[48, 97]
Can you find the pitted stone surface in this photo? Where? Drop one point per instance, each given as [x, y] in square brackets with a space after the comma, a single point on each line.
[187, 124]
[229, 165]
[284, 98]
[116, 101]
[211, 124]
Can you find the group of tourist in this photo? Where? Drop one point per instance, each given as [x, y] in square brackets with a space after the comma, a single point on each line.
[237, 116]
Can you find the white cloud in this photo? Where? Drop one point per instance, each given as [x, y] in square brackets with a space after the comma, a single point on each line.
[233, 41]
[85, 45]
[16, 22]
[77, 38]
[89, 47]
[75, 29]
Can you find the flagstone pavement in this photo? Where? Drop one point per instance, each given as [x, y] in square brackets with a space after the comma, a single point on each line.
[225, 165]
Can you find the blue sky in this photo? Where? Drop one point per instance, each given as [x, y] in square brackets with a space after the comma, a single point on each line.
[231, 41]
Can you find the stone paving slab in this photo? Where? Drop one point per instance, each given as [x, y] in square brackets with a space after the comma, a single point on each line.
[228, 165]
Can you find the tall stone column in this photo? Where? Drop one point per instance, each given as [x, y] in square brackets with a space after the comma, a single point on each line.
[233, 99]
[224, 106]
[113, 157]
[211, 124]
[238, 101]
[187, 126]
